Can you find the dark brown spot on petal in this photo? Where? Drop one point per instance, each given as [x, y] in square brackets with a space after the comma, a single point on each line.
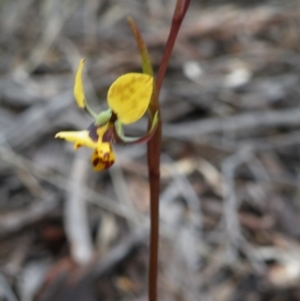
[108, 164]
[77, 145]
[105, 164]
[96, 161]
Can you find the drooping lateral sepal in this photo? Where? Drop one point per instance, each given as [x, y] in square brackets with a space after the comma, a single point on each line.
[133, 140]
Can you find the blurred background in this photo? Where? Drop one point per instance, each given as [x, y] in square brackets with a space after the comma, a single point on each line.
[230, 163]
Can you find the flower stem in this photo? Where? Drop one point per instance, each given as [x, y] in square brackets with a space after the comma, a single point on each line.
[178, 16]
[154, 150]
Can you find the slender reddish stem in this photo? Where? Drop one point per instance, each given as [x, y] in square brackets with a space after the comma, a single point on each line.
[179, 13]
[154, 150]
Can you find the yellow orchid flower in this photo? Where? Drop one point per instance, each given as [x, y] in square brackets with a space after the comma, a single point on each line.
[128, 99]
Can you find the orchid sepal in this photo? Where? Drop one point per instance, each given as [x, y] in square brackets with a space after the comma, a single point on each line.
[134, 140]
[129, 96]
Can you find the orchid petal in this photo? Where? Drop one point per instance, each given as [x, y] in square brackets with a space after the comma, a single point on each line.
[79, 91]
[80, 138]
[103, 157]
[78, 87]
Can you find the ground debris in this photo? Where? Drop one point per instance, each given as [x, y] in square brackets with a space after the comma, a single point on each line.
[229, 167]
